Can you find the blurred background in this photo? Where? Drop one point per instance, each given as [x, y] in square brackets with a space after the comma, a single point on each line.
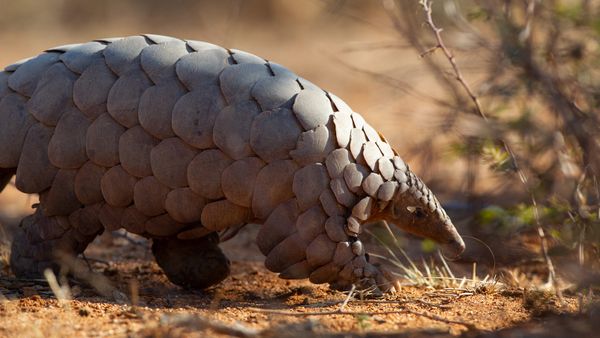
[520, 163]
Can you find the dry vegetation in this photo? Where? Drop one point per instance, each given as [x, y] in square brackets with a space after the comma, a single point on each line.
[494, 103]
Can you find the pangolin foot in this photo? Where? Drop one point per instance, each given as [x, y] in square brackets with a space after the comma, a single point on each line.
[193, 264]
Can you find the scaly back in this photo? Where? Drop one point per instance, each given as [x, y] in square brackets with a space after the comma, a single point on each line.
[166, 137]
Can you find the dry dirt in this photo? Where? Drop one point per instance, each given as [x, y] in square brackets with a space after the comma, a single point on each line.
[244, 298]
[149, 305]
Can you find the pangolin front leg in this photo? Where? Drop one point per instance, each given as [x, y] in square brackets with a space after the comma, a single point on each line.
[194, 263]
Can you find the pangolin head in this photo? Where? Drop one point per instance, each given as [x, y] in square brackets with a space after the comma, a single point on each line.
[416, 210]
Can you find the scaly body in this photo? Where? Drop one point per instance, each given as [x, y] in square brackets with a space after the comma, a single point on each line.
[178, 140]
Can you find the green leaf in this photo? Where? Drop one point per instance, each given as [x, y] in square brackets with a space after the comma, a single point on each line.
[492, 214]
[496, 157]
[428, 246]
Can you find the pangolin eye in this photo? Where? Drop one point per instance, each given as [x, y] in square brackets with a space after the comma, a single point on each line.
[417, 211]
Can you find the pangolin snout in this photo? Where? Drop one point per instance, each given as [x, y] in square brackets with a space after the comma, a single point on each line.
[453, 248]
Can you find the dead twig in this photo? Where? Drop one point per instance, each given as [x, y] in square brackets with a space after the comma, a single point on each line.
[61, 292]
[365, 313]
[350, 294]
[199, 323]
[403, 302]
[443, 320]
[381, 301]
[395, 83]
[369, 46]
[100, 283]
[426, 4]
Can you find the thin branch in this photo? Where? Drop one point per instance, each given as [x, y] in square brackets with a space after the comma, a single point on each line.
[365, 313]
[462, 22]
[199, 323]
[100, 283]
[370, 46]
[405, 22]
[538, 224]
[441, 45]
[426, 4]
[350, 294]
[61, 292]
[429, 51]
[402, 302]
[395, 83]
[526, 34]
[382, 301]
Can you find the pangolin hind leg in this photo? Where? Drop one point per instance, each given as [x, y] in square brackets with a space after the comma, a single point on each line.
[42, 242]
[195, 263]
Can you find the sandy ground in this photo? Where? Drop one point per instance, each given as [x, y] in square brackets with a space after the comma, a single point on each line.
[245, 298]
[255, 302]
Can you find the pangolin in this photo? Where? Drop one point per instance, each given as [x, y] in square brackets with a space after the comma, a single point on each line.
[185, 142]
